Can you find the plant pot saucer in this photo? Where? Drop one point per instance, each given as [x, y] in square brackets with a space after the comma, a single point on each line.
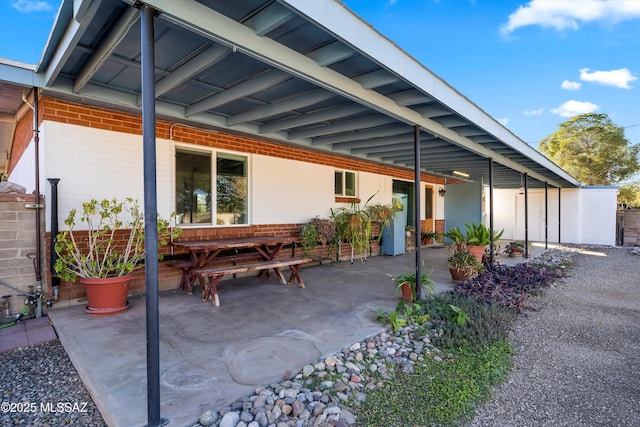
[91, 311]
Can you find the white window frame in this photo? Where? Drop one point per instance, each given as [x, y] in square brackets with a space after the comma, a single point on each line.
[343, 192]
[214, 208]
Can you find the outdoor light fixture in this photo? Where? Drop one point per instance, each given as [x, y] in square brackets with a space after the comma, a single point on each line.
[462, 174]
[521, 186]
[442, 192]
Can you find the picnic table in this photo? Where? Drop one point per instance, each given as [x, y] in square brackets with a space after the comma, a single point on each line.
[247, 254]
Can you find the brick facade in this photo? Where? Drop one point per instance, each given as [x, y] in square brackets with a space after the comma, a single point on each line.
[61, 111]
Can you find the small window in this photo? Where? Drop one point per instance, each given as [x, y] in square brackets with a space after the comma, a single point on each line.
[345, 184]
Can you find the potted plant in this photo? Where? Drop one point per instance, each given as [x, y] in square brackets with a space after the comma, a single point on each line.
[429, 237]
[514, 249]
[104, 258]
[317, 230]
[459, 241]
[405, 284]
[353, 226]
[384, 214]
[463, 265]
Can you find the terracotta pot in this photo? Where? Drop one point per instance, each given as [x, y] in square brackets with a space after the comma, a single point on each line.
[407, 294]
[476, 251]
[106, 296]
[458, 276]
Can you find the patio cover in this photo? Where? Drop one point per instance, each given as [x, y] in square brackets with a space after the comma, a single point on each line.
[306, 73]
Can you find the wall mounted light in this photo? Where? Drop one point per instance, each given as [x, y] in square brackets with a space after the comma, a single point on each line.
[462, 174]
[442, 192]
[521, 190]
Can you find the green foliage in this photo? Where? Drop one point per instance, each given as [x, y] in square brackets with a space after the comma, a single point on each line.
[629, 195]
[353, 226]
[428, 285]
[308, 238]
[384, 214]
[105, 252]
[464, 262]
[439, 393]
[593, 150]
[477, 234]
[406, 314]
[459, 322]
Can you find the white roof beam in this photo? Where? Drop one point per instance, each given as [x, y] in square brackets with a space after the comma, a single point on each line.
[289, 104]
[410, 97]
[84, 12]
[344, 126]
[269, 19]
[246, 88]
[189, 69]
[330, 54]
[376, 79]
[309, 118]
[354, 136]
[117, 34]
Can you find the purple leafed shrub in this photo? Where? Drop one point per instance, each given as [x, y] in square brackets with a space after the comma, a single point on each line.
[508, 285]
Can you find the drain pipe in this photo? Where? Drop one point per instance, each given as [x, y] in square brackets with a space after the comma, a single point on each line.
[36, 140]
[53, 256]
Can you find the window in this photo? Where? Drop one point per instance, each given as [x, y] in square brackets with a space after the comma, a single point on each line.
[193, 187]
[231, 190]
[194, 196]
[345, 184]
[428, 203]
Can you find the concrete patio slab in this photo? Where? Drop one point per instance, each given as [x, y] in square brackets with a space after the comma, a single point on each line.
[263, 332]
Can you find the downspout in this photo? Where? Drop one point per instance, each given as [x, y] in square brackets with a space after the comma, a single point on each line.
[37, 264]
[53, 256]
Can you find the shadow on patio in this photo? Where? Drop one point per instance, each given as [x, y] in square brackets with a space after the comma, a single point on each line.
[263, 332]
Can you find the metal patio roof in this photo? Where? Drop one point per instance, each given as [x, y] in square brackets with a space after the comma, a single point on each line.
[306, 73]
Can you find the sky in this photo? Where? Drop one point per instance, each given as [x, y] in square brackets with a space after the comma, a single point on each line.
[531, 65]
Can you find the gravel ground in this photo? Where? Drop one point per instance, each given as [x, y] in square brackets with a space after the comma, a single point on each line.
[41, 388]
[577, 359]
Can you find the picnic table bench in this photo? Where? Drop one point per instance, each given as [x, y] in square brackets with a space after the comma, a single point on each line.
[215, 274]
[206, 257]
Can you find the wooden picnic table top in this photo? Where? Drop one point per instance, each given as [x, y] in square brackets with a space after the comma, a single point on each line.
[235, 243]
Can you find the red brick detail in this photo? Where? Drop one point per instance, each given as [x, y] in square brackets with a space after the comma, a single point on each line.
[440, 226]
[21, 139]
[98, 118]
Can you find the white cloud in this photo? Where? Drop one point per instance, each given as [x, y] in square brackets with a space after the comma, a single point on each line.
[573, 108]
[618, 78]
[569, 14]
[537, 112]
[28, 6]
[569, 85]
[503, 121]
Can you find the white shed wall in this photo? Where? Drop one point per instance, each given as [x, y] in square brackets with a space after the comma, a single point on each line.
[588, 215]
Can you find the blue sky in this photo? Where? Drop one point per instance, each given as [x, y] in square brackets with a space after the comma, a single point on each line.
[529, 64]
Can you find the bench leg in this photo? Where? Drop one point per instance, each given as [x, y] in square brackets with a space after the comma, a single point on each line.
[187, 281]
[295, 274]
[279, 275]
[211, 291]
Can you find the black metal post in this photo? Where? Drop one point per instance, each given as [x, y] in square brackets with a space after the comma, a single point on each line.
[559, 211]
[491, 243]
[546, 215]
[526, 216]
[150, 215]
[416, 143]
[53, 256]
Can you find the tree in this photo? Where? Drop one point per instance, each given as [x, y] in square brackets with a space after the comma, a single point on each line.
[629, 195]
[593, 150]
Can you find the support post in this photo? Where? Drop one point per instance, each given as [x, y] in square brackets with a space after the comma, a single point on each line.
[150, 215]
[491, 243]
[526, 216]
[416, 187]
[559, 211]
[546, 215]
